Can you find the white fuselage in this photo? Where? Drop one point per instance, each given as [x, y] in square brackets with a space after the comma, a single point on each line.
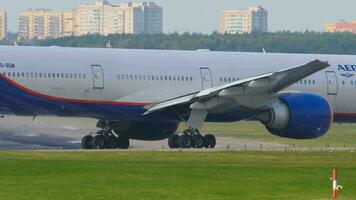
[149, 76]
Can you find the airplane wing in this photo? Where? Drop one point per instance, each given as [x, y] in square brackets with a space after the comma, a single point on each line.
[269, 83]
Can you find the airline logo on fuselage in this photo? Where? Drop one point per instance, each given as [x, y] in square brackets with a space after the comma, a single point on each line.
[347, 71]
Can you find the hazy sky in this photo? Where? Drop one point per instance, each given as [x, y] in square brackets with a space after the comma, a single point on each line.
[203, 15]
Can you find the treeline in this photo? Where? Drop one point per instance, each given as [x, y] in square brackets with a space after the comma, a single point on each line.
[282, 42]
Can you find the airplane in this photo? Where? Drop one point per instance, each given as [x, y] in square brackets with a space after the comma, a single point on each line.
[146, 94]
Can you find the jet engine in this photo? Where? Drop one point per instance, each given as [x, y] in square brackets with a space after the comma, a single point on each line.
[298, 116]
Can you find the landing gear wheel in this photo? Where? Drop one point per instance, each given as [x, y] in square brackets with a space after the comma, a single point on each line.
[185, 142]
[98, 142]
[209, 141]
[173, 141]
[110, 142]
[197, 141]
[87, 142]
[123, 142]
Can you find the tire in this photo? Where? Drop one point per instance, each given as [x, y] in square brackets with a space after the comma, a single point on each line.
[173, 141]
[197, 141]
[185, 142]
[110, 142]
[209, 141]
[87, 142]
[98, 142]
[123, 142]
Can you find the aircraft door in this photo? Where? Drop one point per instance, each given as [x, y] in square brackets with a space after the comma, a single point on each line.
[332, 83]
[98, 77]
[207, 80]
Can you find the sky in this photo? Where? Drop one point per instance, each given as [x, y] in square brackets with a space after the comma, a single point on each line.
[204, 15]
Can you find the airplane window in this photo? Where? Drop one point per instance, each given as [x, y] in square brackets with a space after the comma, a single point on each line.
[62, 75]
[27, 74]
[153, 78]
[13, 74]
[191, 78]
[352, 83]
[127, 77]
[9, 74]
[44, 75]
[233, 79]
[80, 76]
[186, 78]
[139, 77]
[18, 74]
[31, 74]
[23, 74]
[149, 77]
[144, 77]
[135, 77]
[75, 75]
[229, 80]
[343, 82]
[170, 78]
[313, 82]
[84, 76]
[174, 78]
[118, 76]
[40, 75]
[182, 78]
[66, 75]
[122, 76]
[305, 81]
[225, 79]
[309, 82]
[178, 78]
[49, 75]
[36, 74]
[165, 78]
[71, 76]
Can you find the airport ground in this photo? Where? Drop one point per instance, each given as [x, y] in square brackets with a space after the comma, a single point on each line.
[174, 175]
[248, 163]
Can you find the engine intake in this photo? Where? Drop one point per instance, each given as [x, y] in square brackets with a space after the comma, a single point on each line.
[298, 116]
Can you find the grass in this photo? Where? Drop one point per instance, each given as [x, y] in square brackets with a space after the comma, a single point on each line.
[340, 135]
[174, 175]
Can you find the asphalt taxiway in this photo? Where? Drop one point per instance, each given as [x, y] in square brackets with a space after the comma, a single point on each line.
[18, 133]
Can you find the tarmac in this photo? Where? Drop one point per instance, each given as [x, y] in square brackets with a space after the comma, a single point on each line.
[51, 133]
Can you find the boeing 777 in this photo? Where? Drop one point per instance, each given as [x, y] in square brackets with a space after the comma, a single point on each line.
[145, 94]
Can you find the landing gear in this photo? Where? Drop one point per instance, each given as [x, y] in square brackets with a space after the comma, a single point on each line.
[105, 139]
[191, 138]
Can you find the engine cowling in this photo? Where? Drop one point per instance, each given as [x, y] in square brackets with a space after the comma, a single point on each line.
[298, 116]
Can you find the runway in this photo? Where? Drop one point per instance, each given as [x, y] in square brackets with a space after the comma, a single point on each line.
[17, 133]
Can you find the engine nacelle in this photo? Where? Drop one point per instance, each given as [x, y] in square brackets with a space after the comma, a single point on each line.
[298, 116]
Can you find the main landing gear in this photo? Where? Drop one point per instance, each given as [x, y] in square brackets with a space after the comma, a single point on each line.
[105, 139]
[191, 138]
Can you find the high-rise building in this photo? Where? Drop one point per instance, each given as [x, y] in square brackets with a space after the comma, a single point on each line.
[130, 18]
[98, 18]
[68, 23]
[254, 19]
[40, 24]
[341, 27]
[3, 25]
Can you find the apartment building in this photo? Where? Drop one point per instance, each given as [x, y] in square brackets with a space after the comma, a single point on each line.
[40, 24]
[254, 19]
[341, 27]
[3, 25]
